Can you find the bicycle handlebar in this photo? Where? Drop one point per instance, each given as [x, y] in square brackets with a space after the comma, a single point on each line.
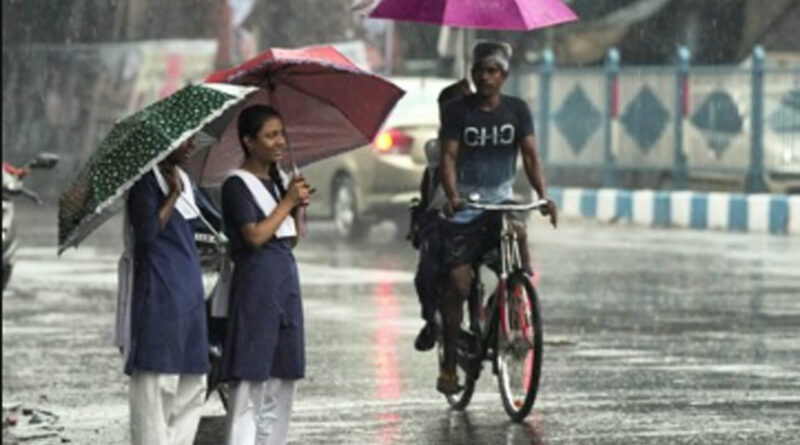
[507, 206]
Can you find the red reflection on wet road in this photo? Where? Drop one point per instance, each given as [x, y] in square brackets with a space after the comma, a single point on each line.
[387, 369]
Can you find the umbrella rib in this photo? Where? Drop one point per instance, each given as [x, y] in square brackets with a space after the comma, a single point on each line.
[236, 76]
[325, 68]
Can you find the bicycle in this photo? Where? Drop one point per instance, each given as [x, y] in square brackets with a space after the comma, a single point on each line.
[507, 330]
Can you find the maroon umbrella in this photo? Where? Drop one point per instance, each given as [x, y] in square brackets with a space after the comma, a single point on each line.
[329, 105]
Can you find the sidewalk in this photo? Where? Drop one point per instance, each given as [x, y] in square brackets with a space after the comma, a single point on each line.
[777, 214]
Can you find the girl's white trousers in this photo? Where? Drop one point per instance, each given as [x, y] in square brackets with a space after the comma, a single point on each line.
[165, 408]
[259, 411]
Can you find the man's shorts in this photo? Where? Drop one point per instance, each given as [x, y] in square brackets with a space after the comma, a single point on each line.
[469, 243]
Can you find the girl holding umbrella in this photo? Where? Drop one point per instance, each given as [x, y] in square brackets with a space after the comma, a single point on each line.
[264, 350]
[168, 357]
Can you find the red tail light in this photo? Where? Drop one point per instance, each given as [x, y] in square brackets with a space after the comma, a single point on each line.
[392, 141]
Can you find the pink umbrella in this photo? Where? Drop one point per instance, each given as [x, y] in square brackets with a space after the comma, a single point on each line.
[518, 15]
[329, 105]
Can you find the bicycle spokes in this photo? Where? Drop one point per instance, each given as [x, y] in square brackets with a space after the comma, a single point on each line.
[516, 349]
[518, 326]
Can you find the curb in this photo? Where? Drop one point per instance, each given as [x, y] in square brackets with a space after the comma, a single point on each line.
[764, 213]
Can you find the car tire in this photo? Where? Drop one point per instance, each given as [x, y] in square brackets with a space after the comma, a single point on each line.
[345, 209]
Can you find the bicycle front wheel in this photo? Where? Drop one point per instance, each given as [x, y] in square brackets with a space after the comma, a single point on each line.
[519, 347]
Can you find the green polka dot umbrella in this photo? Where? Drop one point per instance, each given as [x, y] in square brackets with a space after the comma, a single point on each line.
[133, 147]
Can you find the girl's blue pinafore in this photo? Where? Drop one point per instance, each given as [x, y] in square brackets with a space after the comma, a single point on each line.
[168, 317]
[265, 331]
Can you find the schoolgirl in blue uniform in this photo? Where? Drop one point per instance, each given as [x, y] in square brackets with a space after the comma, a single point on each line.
[264, 351]
[166, 345]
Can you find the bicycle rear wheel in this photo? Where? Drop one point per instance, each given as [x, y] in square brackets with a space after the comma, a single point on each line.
[519, 347]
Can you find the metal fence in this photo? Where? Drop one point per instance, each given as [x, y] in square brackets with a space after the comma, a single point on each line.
[681, 126]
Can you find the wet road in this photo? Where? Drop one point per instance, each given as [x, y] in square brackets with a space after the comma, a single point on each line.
[652, 337]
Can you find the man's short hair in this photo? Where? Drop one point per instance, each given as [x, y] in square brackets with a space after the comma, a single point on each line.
[496, 51]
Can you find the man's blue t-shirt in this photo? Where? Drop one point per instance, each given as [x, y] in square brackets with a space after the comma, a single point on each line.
[488, 147]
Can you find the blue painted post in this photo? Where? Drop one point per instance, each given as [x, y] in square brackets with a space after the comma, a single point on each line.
[612, 110]
[755, 175]
[545, 78]
[680, 172]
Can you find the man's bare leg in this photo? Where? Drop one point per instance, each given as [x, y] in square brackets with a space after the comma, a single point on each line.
[458, 289]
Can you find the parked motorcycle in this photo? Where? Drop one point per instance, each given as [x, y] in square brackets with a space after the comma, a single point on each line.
[13, 186]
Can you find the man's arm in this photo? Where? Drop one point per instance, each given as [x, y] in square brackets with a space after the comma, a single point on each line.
[535, 173]
[449, 156]
[450, 135]
[533, 167]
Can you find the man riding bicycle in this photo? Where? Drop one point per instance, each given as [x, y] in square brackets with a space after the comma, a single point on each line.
[482, 134]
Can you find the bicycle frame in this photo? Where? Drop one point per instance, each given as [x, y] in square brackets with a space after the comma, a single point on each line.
[510, 261]
[509, 249]
[499, 325]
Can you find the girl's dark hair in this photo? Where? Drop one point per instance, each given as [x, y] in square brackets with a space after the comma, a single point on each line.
[250, 121]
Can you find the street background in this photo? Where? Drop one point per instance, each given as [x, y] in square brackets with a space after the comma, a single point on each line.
[663, 94]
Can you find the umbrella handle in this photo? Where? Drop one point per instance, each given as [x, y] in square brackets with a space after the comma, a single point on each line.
[302, 213]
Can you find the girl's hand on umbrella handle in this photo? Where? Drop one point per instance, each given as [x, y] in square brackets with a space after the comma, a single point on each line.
[298, 177]
[299, 192]
[173, 179]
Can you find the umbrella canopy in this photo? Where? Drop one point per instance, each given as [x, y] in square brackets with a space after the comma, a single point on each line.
[133, 147]
[517, 15]
[329, 105]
